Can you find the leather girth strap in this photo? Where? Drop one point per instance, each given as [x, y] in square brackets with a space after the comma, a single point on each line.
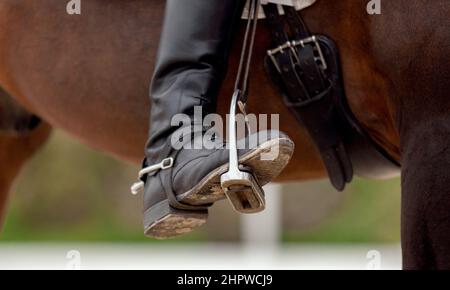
[306, 70]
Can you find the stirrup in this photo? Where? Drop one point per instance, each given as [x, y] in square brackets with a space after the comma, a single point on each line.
[241, 187]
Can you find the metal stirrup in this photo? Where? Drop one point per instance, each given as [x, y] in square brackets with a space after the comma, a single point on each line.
[241, 187]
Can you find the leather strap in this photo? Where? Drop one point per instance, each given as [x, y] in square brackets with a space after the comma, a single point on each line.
[276, 23]
[165, 177]
[243, 72]
[298, 28]
[308, 90]
[167, 182]
[307, 71]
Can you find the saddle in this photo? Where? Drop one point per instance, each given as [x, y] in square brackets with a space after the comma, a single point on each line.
[297, 4]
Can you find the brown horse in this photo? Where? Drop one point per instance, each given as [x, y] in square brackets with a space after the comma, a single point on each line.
[88, 74]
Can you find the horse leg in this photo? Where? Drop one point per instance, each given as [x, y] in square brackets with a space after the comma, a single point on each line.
[412, 52]
[21, 135]
[15, 150]
[426, 196]
[424, 125]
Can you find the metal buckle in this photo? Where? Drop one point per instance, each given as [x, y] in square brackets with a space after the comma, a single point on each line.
[280, 49]
[312, 40]
[303, 42]
[241, 187]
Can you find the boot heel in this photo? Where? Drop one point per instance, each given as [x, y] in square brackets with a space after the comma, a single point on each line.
[162, 221]
[244, 192]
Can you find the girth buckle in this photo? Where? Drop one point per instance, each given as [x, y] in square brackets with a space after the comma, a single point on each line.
[320, 59]
[291, 45]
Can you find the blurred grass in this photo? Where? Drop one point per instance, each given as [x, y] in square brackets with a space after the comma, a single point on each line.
[69, 192]
[370, 213]
[72, 193]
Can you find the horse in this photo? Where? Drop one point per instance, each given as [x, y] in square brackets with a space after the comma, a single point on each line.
[88, 75]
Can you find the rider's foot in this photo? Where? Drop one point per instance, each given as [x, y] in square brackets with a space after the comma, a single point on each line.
[193, 54]
[179, 192]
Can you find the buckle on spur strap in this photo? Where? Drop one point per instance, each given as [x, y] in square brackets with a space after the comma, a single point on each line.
[241, 187]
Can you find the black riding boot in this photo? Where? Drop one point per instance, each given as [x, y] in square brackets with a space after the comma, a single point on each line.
[180, 184]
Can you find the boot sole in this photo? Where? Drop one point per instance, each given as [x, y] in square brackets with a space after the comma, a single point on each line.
[163, 221]
[209, 190]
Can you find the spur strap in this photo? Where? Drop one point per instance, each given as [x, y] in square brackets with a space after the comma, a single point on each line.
[165, 178]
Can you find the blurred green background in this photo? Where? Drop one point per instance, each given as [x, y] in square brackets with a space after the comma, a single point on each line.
[72, 193]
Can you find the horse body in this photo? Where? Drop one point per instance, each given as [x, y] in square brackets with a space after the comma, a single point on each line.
[88, 74]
